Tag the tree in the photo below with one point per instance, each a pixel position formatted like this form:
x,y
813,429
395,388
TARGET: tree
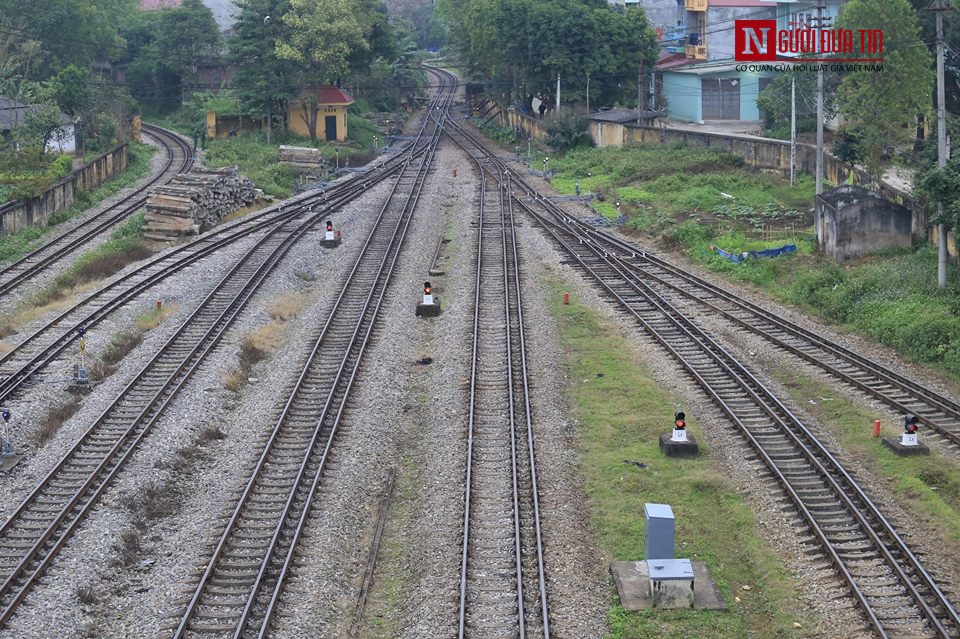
x,y
264,81
323,35
884,106
518,47
774,100
942,185
70,31
70,89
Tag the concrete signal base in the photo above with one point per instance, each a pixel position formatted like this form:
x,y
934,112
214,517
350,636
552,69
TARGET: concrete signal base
x,y
429,310
334,243
633,583
894,444
673,448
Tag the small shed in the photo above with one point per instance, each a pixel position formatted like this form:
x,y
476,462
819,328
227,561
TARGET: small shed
x,y
331,103
851,221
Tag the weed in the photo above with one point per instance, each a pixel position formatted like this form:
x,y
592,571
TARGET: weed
x,y
54,419
116,350
210,433
286,306
152,318
127,548
87,595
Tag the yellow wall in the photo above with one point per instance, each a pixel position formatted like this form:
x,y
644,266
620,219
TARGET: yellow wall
x,y
299,126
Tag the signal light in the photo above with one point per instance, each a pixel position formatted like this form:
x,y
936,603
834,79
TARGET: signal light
x,y
911,424
427,289
679,420
329,225
5,414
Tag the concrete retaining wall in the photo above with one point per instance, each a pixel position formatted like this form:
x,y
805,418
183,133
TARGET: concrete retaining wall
x,y
36,211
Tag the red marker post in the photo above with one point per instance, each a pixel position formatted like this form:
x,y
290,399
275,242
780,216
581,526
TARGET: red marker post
x,y
876,428
566,298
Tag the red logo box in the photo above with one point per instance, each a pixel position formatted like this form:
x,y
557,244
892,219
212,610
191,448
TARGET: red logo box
x,y
755,40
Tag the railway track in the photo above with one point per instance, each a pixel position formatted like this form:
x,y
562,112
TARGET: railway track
x,y
179,159
32,536
502,579
940,414
897,595
241,586
27,361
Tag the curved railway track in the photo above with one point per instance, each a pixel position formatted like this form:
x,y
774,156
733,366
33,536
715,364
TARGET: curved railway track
x,y
33,354
33,535
179,160
241,586
897,595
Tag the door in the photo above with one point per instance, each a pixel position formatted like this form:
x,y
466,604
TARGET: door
x,y
720,98
330,126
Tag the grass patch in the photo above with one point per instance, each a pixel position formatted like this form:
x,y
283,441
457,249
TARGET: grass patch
x,y
928,487
118,348
620,413
54,419
678,195
257,345
124,247
16,245
149,320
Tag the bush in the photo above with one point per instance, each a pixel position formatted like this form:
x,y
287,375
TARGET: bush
x,y
567,133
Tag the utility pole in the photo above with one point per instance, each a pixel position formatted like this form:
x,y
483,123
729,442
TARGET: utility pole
x,y
588,94
266,25
821,5
793,131
639,92
558,93
940,6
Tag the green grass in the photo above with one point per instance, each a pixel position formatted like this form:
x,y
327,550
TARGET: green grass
x,y
258,160
928,487
621,412
676,195
15,245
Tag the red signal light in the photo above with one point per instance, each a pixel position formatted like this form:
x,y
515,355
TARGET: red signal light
x,y
679,420
427,289
329,225
911,424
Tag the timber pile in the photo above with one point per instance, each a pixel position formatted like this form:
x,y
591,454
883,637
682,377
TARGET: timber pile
x,y
194,202
303,157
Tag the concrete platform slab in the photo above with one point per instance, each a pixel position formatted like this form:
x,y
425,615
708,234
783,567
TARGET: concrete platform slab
x,y
633,585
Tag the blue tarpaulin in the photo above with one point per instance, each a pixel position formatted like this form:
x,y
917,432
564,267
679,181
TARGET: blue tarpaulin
x,y
739,257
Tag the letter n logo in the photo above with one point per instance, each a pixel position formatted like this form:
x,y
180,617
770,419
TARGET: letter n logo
x,y
755,40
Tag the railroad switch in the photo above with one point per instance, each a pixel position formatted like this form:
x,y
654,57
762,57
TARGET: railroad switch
x,y
430,306
331,239
908,443
679,443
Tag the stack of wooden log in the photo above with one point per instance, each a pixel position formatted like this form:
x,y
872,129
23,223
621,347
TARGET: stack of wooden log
x,y
194,202
303,157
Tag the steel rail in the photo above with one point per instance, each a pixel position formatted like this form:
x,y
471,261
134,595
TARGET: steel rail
x,y
877,373
129,286
793,428
126,439
34,561
518,399
284,538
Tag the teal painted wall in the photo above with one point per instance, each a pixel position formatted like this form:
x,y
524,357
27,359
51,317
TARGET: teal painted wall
x,y
682,91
